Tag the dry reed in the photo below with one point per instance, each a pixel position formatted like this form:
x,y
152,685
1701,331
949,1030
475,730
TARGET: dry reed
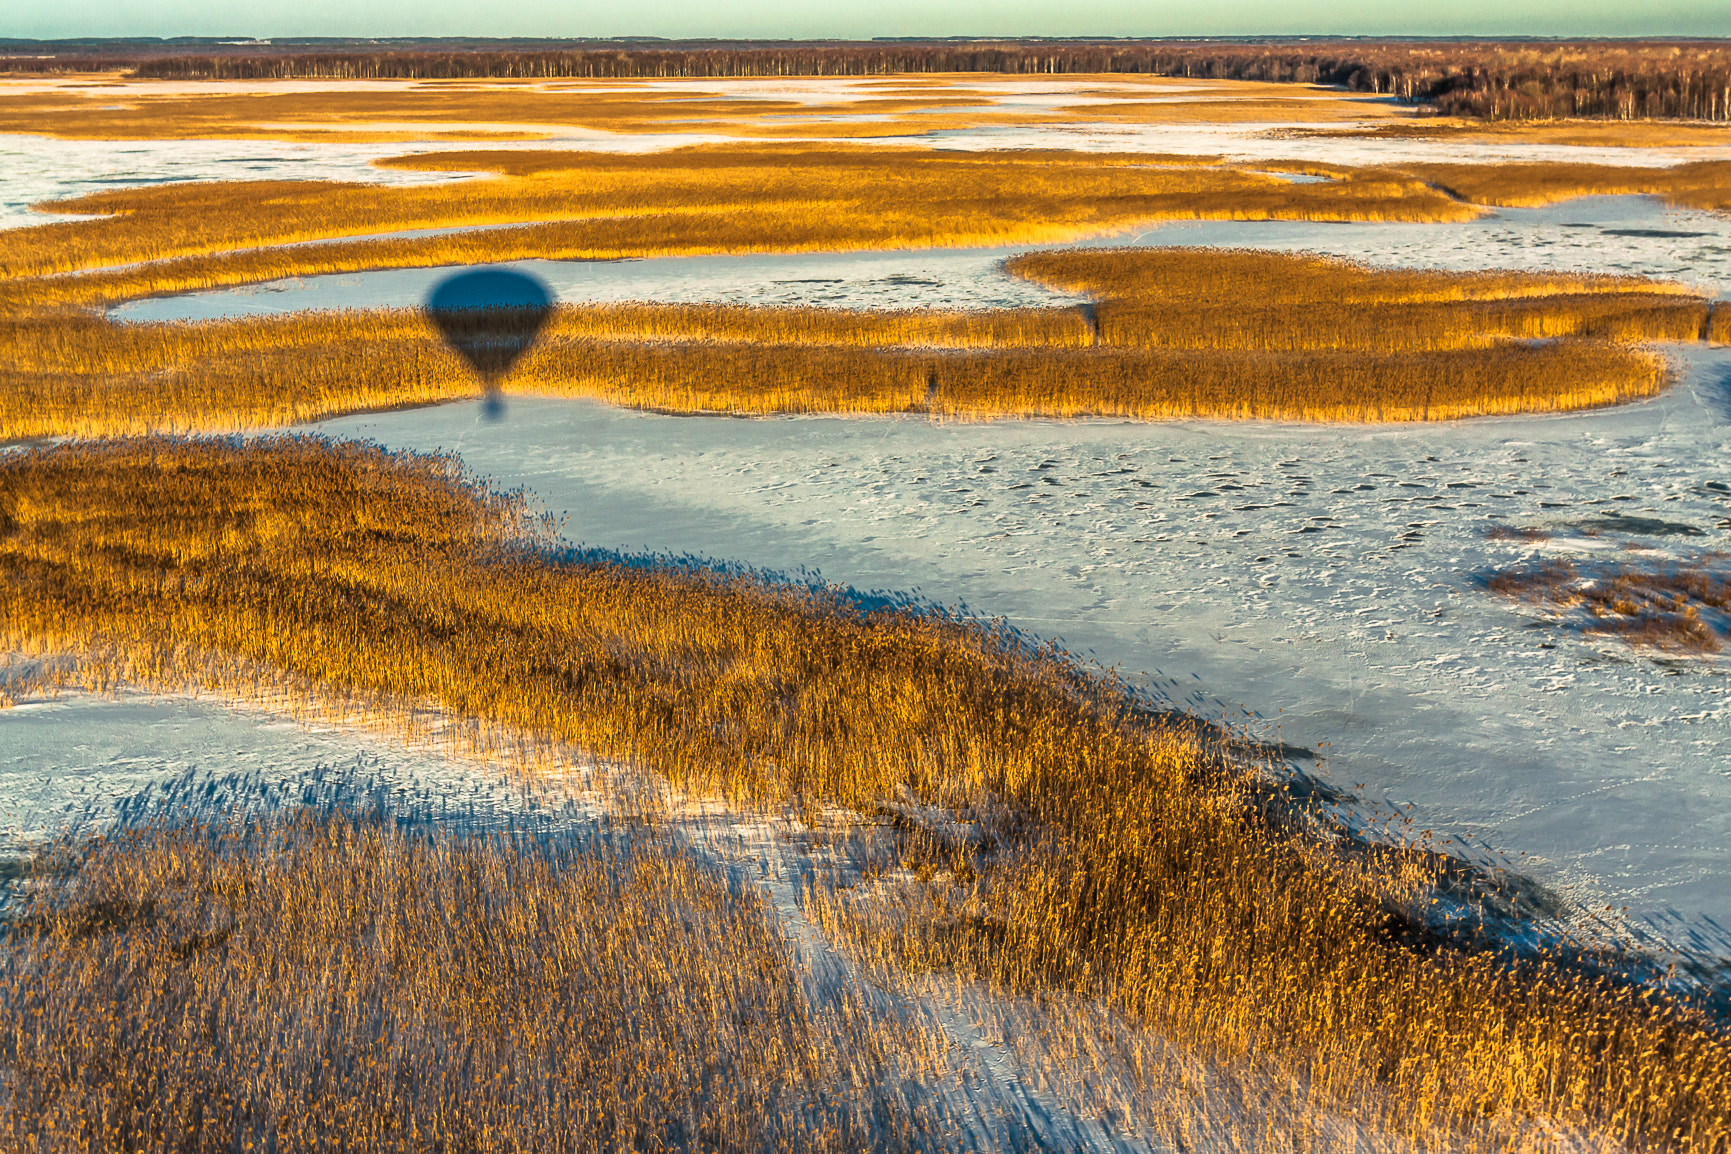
x,y
1702,184
1680,607
314,981
1142,864
1579,133
710,198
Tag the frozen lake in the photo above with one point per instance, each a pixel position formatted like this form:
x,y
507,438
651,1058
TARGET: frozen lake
x,y
40,169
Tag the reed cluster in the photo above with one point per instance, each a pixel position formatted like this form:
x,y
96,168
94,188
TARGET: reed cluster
x,y
1719,324
1253,300
1704,184
317,981
1171,333
1681,607
1135,861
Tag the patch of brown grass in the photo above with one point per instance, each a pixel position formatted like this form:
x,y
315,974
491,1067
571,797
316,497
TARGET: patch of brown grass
x,y
1670,606
1247,299
1719,324
1576,133
1144,867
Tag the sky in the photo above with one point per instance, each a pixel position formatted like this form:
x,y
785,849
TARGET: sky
x,y
852,19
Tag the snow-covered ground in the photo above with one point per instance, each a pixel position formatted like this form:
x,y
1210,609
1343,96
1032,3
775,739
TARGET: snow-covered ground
x,y
931,278
1326,580
36,169
85,761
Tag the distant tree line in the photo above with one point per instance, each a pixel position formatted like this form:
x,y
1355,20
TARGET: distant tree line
x,y
58,65
1621,80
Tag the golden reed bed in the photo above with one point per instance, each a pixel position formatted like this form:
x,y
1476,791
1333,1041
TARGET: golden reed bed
x,y
701,199
310,982
1172,333
734,198
1142,867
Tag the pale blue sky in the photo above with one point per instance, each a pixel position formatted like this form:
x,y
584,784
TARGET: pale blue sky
x,y
859,18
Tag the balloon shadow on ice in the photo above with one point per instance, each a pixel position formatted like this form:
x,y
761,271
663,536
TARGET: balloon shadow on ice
x,y
491,317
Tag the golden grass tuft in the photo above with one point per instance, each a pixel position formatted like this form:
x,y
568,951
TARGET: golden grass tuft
x,y
312,981
1678,607
1582,133
1143,865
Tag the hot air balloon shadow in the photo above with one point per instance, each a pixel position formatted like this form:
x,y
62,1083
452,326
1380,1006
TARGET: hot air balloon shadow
x,y
491,317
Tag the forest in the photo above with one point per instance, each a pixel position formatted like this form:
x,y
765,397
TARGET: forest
x,y
1527,80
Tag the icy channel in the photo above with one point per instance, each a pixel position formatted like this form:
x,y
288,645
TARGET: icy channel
x,y
39,169
1637,235
931,278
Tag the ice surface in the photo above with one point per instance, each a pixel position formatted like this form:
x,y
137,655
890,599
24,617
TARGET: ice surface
x,y
40,169
1633,235
932,278
86,761
1322,581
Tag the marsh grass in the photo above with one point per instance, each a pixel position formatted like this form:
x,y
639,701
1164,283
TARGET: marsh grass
x,y
314,980
698,199
1704,184
1583,133
1170,333
1134,856
1670,606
